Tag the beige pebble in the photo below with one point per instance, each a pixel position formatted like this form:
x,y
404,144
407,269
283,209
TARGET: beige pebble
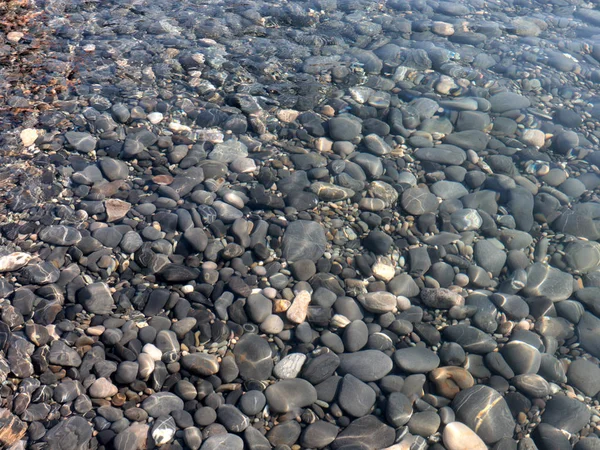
x,y
535,138
187,289
324,145
297,312
95,331
442,28
339,321
458,436
281,305
328,111
155,117
287,115
28,136
14,261
383,269
14,36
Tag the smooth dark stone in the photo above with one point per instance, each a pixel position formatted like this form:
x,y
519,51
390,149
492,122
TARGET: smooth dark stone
x,y
484,411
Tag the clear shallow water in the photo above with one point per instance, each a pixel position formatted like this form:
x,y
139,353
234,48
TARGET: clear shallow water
x,y
423,145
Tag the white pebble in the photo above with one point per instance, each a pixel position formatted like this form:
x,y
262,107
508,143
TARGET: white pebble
x,y
155,117
153,351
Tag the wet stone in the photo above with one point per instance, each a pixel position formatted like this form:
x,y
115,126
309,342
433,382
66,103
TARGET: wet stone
x,y
547,281
96,298
252,402
458,436
60,235
366,365
506,101
304,240
228,151
356,397
566,414
532,385
442,154
222,441
82,142
253,357
232,418
484,411
522,357
441,298
368,432
163,430
416,360
202,364
289,366
319,434
41,273
73,432
162,403
344,128
286,395
378,302
470,338
102,388
418,201
63,355
424,423
585,376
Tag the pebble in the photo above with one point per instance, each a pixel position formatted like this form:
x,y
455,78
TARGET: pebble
x,y
303,240
416,360
290,366
458,436
484,411
286,395
253,357
161,404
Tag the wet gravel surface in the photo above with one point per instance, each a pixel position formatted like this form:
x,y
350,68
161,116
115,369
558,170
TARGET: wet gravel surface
x,y
299,225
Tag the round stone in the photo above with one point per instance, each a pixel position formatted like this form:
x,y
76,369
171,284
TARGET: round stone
x,y
252,402
318,434
458,436
286,395
466,219
418,201
344,128
162,403
585,376
522,357
547,281
416,360
102,388
378,302
366,365
365,432
398,409
253,357
485,411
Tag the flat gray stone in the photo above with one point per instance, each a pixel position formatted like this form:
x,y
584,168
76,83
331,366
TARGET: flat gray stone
x,y
304,240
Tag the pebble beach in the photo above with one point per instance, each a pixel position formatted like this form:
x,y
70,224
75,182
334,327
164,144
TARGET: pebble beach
x,y
298,225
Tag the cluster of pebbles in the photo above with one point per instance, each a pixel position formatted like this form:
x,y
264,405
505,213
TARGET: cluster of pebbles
x,y
331,224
